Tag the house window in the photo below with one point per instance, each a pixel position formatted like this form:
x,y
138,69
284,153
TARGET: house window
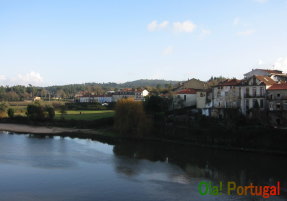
x,y
247,104
271,96
278,95
278,106
261,103
247,91
184,98
255,103
254,91
261,91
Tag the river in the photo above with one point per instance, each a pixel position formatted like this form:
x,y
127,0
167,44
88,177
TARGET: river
x,y
34,168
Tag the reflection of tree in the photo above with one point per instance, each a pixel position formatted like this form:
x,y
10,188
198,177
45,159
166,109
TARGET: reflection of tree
x,y
202,163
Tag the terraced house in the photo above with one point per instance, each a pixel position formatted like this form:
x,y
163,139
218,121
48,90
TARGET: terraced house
x,y
253,92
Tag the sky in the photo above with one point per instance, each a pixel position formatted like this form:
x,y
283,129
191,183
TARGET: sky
x,y
52,42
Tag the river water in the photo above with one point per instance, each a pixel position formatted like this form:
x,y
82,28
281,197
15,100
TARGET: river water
x,y
63,169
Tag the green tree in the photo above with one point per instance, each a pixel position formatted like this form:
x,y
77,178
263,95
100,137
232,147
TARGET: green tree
x,y
39,112
130,118
63,111
11,112
3,109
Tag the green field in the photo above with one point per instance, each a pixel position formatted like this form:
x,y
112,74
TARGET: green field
x,y
85,114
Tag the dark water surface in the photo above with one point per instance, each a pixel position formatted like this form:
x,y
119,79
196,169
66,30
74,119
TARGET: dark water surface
x,y
65,169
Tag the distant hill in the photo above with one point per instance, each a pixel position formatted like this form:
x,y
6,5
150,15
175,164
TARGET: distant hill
x,y
136,83
146,82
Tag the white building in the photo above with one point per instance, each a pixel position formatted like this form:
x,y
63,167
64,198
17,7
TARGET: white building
x,y
93,99
135,94
184,98
253,92
226,94
261,72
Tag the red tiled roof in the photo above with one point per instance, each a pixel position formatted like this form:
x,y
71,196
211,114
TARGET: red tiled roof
x,y
265,79
187,91
282,86
229,82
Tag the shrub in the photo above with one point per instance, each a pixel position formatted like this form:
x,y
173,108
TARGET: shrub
x,y
11,112
39,112
130,118
3,110
51,112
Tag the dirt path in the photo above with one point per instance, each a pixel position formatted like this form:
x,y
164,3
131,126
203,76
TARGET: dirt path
x,y
41,129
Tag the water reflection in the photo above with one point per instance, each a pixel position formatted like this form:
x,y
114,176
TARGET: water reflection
x,y
53,168
201,164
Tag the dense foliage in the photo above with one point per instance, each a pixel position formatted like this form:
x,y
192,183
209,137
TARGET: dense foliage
x,y
40,112
3,109
130,118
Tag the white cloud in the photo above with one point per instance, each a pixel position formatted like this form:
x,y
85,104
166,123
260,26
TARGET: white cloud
x,y
185,26
33,78
247,32
163,25
281,63
155,26
168,51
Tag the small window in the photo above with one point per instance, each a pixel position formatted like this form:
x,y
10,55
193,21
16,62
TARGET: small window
x,y
184,97
247,91
261,103
255,103
261,91
278,106
254,91
278,95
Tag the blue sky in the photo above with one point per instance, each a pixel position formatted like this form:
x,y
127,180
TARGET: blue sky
x,y
61,42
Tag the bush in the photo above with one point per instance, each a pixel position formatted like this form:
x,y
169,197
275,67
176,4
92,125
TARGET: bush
x,y
39,112
11,112
51,112
130,118
3,110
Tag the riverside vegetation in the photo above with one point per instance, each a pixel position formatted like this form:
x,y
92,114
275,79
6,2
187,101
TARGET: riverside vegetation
x,y
152,119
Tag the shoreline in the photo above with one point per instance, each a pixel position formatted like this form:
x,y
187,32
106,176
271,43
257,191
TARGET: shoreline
x,y
102,136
